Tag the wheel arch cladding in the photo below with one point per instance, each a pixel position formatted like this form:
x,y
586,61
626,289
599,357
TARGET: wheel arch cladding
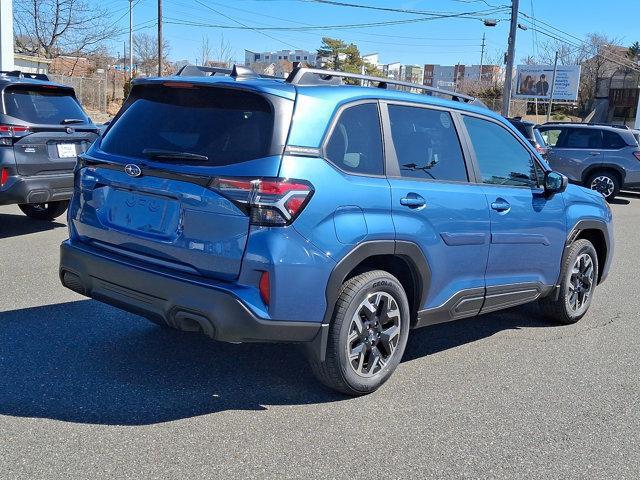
x,y
404,260
595,232
591,169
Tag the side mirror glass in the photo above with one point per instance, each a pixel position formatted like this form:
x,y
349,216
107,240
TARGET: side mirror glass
x,y
555,182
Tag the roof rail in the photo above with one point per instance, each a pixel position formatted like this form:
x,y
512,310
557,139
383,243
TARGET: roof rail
x,y
20,74
593,124
238,71
319,76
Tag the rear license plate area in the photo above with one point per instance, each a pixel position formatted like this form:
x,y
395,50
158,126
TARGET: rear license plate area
x,y
142,212
66,150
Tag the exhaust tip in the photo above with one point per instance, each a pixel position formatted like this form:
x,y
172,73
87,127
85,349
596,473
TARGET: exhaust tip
x,y
73,282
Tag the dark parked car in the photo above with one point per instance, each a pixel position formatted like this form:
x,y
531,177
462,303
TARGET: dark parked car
x,y
43,128
601,157
528,129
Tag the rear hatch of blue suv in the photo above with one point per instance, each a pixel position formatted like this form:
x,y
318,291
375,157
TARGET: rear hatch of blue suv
x,y
43,129
166,201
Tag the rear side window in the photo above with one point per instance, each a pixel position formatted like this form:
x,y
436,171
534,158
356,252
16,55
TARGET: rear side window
x,y
426,144
355,144
502,159
221,126
43,105
582,138
611,140
551,136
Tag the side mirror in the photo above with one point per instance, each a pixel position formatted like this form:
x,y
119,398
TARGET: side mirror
x,y
555,182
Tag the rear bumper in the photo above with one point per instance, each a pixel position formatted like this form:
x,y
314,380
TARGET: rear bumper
x,y
37,189
181,303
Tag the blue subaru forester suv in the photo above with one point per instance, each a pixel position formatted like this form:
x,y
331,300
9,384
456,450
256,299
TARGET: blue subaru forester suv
x,y
338,216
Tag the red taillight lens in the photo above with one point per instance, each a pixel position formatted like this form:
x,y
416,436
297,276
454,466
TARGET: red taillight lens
x,y
265,288
13,129
271,202
637,154
4,176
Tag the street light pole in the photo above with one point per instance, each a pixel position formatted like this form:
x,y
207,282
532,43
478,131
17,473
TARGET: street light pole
x,y
159,38
130,39
511,51
481,60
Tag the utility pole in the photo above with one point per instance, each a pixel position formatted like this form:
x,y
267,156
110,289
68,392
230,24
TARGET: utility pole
x,y
159,38
6,35
511,51
130,39
553,86
637,125
481,59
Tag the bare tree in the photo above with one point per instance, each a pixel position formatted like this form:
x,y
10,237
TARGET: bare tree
x,y
223,54
145,49
52,27
204,55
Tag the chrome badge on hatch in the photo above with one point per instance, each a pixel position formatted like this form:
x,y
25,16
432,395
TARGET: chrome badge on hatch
x,y
133,170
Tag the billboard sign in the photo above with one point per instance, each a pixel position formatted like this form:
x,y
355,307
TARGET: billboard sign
x,y
534,81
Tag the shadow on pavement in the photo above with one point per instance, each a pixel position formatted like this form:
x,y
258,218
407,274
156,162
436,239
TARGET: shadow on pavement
x,y
86,362
17,225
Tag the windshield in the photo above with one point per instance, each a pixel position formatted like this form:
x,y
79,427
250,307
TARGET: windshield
x,y
210,125
43,105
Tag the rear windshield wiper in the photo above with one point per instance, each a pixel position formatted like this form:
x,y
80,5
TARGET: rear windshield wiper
x,y
173,155
68,121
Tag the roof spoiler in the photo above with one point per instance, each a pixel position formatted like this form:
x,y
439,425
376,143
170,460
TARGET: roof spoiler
x,y
20,74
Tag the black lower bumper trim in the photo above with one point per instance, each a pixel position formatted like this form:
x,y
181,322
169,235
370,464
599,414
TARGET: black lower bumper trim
x,y
178,302
37,189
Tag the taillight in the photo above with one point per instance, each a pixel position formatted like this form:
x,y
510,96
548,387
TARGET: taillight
x,y
637,154
4,176
9,132
541,150
265,288
270,202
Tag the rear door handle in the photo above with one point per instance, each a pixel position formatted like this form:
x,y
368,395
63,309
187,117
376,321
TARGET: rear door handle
x,y
413,200
594,153
500,205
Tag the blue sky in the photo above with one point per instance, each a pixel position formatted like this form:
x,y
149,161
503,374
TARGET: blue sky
x,y
443,41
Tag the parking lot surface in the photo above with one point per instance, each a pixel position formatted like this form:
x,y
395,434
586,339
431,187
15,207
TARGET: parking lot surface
x,y
88,391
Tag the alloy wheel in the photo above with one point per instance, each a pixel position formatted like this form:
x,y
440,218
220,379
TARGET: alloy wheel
x,y
581,283
374,333
603,184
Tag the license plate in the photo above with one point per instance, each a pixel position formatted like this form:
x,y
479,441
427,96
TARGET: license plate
x,y
66,150
139,212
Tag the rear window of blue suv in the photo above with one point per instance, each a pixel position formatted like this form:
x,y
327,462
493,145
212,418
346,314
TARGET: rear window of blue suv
x,y
211,126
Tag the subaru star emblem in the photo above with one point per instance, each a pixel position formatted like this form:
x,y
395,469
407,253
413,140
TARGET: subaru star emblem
x,y
69,130
133,170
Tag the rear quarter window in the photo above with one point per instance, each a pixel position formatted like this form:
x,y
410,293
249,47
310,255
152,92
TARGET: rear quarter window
x,y
226,126
42,105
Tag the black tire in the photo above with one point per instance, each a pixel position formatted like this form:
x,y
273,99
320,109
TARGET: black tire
x,y
382,294
607,182
44,211
562,309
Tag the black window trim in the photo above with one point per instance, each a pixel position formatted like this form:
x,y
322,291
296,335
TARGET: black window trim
x,y
391,158
332,126
527,146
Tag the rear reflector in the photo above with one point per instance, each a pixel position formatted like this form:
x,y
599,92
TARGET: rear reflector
x,y
4,176
265,288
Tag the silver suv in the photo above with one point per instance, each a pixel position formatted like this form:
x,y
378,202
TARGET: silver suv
x,y
601,157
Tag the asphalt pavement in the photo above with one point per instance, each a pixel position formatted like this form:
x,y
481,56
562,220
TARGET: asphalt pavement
x,y
88,391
